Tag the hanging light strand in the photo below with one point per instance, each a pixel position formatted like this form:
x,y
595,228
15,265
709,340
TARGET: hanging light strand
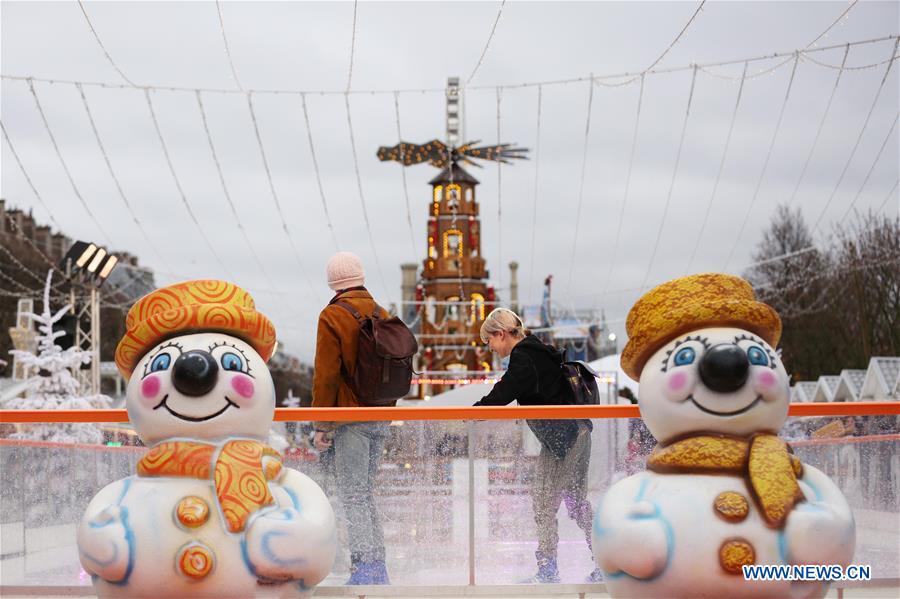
x,y
271,182
103,48
871,168
117,183
809,156
362,199
715,188
65,167
487,44
181,194
28,178
412,235
234,74
862,131
634,138
312,152
662,222
584,155
765,166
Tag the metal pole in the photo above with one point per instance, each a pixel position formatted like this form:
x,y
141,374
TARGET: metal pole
x,y
470,428
95,343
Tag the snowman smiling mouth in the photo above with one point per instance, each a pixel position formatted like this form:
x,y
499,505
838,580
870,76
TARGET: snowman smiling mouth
x,y
163,404
734,413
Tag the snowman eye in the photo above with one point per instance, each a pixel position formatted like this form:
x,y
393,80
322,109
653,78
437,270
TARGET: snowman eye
x,y
232,361
685,356
757,356
160,362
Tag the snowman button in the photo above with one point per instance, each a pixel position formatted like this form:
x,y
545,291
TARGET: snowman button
x,y
195,560
735,554
732,506
192,512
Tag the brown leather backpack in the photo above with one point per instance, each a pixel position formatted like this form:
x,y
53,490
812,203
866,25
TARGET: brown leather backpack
x,y
383,359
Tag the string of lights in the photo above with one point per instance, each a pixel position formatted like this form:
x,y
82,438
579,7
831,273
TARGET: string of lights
x,y
34,246
177,182
598,79
234,74
662,222
888,196
31,273
116,181
671,45
102,47
537,171
841,17
28,180
65,167
809,156
352,46
871,168
271,182
712,195
362,199
412,235
765,166
312,152
227,194
487,44
15,282
621,219
584,155
862,131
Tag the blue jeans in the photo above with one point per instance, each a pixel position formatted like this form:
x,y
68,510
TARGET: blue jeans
x,y
357,451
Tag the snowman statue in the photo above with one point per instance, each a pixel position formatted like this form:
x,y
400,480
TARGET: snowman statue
x,y
721,490
211,511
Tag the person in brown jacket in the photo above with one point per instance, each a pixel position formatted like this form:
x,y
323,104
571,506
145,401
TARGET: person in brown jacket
x,y
357,445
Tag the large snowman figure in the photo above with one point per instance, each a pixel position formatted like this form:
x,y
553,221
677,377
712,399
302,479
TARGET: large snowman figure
x,y
211,511
721,490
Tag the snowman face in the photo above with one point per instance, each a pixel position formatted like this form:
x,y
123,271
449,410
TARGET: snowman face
x,y
717,380
201,386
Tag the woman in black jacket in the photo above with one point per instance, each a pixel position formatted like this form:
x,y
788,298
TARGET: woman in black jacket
x,y
534,377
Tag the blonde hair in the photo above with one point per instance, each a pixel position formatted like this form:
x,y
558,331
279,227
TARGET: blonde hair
x,y
503,319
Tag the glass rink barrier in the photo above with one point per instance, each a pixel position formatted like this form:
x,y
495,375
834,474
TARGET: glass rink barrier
x,y
456,496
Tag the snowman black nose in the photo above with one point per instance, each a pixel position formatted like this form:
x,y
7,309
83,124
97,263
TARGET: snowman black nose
x,y
724,368
195,373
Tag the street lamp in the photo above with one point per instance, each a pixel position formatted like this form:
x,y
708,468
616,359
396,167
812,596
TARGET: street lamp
x,y
88,262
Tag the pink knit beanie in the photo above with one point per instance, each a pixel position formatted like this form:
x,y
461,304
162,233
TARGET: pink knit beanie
x,y
345,270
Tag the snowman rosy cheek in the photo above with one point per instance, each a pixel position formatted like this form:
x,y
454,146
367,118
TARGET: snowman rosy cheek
x,y
243,386
677,384
766,380
150,387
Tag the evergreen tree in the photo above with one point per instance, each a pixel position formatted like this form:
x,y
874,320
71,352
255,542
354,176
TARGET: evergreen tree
x,y
53,386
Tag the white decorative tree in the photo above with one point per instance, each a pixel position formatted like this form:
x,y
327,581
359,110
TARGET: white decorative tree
x,y
52,385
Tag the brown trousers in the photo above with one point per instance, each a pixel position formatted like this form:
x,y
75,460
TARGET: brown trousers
x,y
556,479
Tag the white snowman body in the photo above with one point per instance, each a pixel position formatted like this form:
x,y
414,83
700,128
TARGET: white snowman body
x,y
152,536
659,534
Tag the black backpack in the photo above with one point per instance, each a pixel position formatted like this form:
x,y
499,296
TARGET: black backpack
x,y
582,381
384,356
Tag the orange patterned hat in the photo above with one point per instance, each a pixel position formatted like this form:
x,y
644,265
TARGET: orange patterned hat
x,y
192,306
680,306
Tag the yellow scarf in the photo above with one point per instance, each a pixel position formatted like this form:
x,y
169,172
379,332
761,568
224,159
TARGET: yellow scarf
x,y
763,459
240,478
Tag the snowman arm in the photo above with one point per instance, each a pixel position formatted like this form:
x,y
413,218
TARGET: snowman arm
x,y
297,539
820,530
105,538
631,536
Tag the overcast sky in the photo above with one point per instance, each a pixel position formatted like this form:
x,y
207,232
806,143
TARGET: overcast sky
x,y
417,45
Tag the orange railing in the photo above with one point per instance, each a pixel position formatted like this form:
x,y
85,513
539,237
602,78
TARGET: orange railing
x,y
859,408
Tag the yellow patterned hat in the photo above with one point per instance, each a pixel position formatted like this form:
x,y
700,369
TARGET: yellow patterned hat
x,y
192,306
680,306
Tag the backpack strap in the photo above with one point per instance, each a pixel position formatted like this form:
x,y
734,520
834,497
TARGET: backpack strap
x,y
353,311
